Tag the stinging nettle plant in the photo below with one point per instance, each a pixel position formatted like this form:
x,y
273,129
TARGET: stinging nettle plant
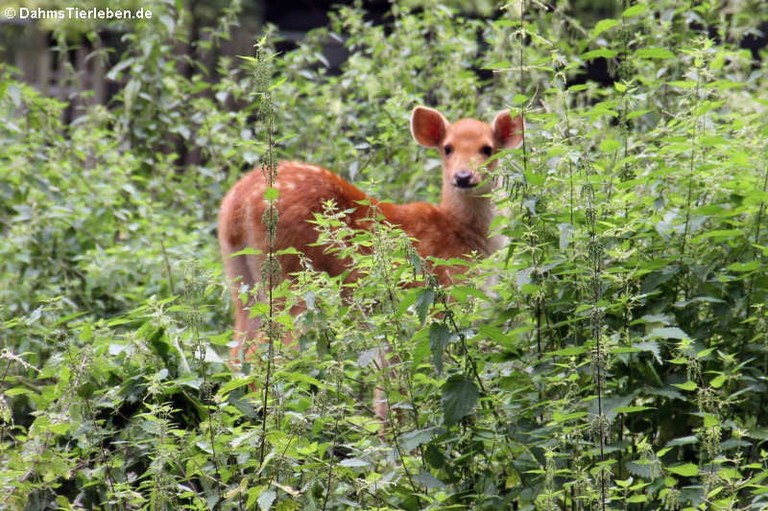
x,y
616,361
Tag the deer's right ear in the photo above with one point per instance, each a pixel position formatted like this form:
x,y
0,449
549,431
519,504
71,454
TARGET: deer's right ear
x,y
428,126
508,130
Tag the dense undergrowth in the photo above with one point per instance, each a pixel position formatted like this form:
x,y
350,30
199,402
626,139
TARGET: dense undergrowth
x,y
612,356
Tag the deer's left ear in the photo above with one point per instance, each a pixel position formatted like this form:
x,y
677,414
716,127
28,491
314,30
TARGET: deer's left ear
x,y
509,131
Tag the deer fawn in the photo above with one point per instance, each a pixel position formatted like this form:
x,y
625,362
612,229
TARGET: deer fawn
x,y
456,227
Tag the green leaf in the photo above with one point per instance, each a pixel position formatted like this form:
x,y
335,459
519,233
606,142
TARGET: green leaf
x,y
427,480
717,381
460,396
649,346
570,351
683,84
684,440
689,385
413,439
604,25
439,337
635,10
558,417
495,334
499,64
235,384
654,53
632,409
266,499
685,470
354,463
667,333
744,267
721,234
423,302
271,193
602,52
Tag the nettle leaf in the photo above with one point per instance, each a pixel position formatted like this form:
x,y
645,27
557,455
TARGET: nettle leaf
x,y
460,396
641,469
266,499
635,10
649,346
668,333
439,337
689,385
566,233
354,463
413,439
423,302
685,470
428,480
604,25
720,234
599,53
744,267
654,53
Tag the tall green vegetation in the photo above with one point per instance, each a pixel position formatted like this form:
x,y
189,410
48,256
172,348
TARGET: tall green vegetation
x,y
612,356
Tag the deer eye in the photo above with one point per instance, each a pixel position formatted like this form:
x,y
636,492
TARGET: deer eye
x,y
486,151
448,149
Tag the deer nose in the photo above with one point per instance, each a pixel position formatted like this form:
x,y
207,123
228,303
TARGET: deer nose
x,y
463,179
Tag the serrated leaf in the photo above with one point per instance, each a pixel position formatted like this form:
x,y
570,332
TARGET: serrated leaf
x,y
644,469
599,53
297,377
423,302
558,417
422,348
635,10
717,381
439,338
649,346
570,351
566,233
632,409
685,470
365,357
460,396
413,439
235,384
683,84
499,64
495,334
266,499
604,25
744,267
721,234
428,480
683,440
689,385
354,463
654,53
667,333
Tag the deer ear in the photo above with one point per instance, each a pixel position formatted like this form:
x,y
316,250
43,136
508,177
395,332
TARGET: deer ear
x,y
508,131
428,126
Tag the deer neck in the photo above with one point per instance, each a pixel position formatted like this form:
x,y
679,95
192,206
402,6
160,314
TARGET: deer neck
x,y
472,211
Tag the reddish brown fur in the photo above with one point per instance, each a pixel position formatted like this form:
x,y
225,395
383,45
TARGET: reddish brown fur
x,y
456,227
